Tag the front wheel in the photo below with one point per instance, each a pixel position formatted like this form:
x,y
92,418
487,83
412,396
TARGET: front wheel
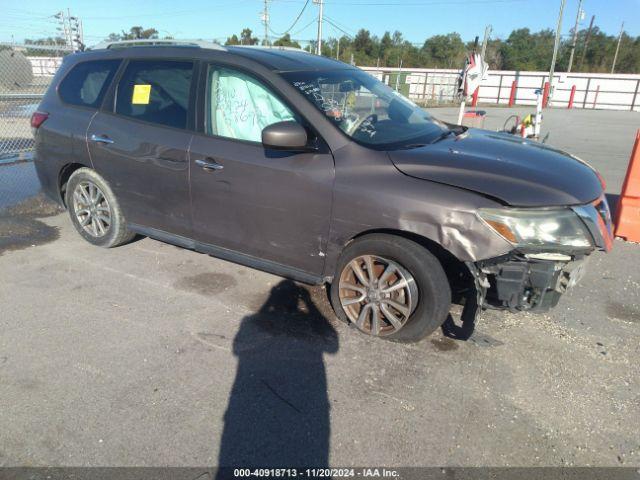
x,y
390,287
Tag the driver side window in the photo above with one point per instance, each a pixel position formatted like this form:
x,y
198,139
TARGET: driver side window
x,y
240,107
156,92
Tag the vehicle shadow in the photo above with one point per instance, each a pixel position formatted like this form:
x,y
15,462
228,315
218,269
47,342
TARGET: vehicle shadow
x,y
278,410
458,331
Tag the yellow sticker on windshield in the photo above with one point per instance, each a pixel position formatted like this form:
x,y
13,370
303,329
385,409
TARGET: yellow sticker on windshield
x,y
141,94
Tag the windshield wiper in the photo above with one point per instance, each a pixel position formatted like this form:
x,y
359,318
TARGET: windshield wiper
x,y
414,145
442,136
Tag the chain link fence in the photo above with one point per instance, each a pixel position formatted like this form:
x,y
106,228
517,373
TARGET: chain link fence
x,y
25,74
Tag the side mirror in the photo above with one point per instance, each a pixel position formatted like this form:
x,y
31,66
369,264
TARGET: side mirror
x,y
285,136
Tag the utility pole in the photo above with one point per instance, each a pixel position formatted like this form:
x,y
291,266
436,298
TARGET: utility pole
x,y
320,3
556,45
338,50
487,33
265,22
586,41
615,57
575,36
75,30
63,28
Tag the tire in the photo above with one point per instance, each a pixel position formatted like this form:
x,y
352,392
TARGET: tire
x,y
425,300
89,196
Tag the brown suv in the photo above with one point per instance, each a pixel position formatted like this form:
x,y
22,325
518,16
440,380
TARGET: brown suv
x,y
312,169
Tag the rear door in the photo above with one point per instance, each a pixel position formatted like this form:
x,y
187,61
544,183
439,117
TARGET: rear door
x,y
141,146
70,104
271,205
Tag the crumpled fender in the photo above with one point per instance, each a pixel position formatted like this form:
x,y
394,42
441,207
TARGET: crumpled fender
x,y
381,198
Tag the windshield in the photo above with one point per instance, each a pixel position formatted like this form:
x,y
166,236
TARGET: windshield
x,y
366,109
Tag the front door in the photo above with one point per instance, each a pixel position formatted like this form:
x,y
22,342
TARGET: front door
x,y
141,148
273,205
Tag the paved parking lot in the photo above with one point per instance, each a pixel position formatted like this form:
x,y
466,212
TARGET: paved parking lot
x,y
153,355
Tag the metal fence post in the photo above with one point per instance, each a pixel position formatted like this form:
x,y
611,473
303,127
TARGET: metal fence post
x,y
424,88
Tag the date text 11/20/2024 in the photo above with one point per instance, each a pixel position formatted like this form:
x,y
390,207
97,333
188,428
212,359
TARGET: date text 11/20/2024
x,y
315,472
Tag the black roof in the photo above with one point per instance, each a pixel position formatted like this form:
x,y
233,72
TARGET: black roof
x,y
287,60
273,58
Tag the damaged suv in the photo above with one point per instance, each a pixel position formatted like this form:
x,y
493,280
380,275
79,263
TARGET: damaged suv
x,y
311,169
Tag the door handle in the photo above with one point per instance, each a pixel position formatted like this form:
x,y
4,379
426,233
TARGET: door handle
x,y
209,165
101,139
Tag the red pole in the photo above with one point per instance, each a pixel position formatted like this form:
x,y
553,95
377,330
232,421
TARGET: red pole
x,y
512,95
474,100
573,94
545,95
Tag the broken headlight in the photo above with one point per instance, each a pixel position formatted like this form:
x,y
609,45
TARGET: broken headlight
x,y
560,228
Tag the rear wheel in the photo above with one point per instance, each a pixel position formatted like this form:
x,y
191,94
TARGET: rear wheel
x,y
390,287
94,210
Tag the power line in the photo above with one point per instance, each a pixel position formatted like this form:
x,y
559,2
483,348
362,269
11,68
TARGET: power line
x,y
342,25
294,22
313,20
331,22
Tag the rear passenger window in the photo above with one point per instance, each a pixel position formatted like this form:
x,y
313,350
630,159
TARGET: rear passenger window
x,y
156,92
87,82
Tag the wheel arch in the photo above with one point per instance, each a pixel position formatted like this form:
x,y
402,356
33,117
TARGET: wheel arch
x,y
63,178
456,270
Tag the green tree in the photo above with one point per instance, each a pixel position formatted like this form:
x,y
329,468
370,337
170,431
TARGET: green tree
x,y
246,37
363,45
134,33
526,51
232,40
285,41
444,51
629,55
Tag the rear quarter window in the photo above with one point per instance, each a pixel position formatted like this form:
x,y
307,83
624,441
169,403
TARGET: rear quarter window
x,y
86,84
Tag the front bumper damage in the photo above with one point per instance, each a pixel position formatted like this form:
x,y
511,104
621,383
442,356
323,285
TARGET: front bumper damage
x,y
535,280
528,282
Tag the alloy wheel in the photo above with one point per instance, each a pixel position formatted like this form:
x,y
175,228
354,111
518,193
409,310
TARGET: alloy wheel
x,y
91,209
378,295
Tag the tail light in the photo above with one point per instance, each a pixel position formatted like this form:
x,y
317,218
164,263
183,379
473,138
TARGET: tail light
x,y
38,119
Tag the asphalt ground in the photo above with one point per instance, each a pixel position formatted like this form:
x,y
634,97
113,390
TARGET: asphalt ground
x,y
153,355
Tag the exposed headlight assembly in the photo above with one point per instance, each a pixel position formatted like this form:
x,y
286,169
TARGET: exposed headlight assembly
x,y
559,228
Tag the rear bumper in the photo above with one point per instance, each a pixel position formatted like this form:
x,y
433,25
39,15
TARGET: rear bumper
x,y
48,175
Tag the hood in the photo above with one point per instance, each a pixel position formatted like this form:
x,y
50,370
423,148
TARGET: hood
x,y
516,171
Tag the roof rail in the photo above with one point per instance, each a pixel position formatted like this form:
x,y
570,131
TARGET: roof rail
x,y
273,47
155,42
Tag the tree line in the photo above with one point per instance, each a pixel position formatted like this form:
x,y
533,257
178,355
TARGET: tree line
x,y
521,50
